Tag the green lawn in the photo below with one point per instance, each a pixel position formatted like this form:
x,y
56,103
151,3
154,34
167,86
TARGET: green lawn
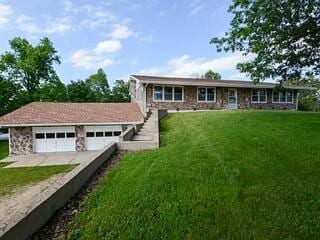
x,y
13,178
4,149
218,175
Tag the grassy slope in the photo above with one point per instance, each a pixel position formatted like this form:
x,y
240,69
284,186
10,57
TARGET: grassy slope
x,y
4,149
248,175
12,178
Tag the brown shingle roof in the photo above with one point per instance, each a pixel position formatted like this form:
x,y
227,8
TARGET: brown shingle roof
x,y
51,113
187,81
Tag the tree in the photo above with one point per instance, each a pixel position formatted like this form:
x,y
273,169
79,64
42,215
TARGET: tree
x,y
212,75
10,99
120,91
98,83
79,91
309,100
28,65
283,37
53,91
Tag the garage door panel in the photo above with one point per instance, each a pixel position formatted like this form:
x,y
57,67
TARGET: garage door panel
x,y
54,139
97,137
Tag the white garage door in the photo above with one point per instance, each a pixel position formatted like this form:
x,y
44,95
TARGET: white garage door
x,y
97,137
54,139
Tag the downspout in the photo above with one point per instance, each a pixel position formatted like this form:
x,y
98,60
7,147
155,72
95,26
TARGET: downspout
x,y
9,139
297,101
145,100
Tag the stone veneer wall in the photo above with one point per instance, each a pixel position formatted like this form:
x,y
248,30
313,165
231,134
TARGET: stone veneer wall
x,y
190,100
21,141
80,139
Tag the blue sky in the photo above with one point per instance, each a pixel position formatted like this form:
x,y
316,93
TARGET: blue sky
x,y
156,37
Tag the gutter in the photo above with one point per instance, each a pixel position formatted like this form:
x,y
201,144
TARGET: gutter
x,y
65,124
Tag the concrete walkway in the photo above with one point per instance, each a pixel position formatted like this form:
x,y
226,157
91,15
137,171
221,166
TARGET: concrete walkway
x,y
50,159
147,132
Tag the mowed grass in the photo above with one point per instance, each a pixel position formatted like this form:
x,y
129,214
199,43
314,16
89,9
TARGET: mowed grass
x,y
15,178
218,175
4,149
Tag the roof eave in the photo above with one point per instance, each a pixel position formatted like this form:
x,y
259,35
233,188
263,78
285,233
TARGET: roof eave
x,y
66,124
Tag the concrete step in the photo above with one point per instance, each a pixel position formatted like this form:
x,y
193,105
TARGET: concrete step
x,y
142,138
147,127
148,131
144,134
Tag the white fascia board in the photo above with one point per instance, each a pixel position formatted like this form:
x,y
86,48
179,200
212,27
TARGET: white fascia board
x,y
68,124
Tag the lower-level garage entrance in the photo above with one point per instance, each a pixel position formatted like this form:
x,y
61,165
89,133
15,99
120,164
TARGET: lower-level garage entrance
x,y
97,137
54,139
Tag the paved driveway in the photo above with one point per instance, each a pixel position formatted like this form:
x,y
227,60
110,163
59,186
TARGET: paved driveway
x,y
50,159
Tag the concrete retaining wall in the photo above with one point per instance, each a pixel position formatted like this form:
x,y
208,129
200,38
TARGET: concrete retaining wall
x,y
145,145
56,196
127,134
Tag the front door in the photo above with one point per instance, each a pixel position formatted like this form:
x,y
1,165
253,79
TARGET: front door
x,y
232,98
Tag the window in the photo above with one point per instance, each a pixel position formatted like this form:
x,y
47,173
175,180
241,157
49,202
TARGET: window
x,y
158,91
50,135
117,133
206,94
289,96
275,97
178,93
108,134
99,134
259,95
283,96
39,135
61,135
168,93
90,134
70,134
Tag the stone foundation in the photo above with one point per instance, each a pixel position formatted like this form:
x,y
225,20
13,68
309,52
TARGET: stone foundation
x,y
80,139
190,100
21,141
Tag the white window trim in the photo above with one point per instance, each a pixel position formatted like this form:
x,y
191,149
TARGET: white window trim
x,y
173,89
258,89
204,101
286,97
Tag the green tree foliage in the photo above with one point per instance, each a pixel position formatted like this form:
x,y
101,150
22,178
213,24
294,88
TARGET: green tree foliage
x,y
120,91
99,86
28,65
10,98
309,100
282,35
212,75
53,91
79,91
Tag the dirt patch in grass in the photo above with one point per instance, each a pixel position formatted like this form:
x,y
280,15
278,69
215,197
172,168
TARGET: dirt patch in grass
x,y
57,228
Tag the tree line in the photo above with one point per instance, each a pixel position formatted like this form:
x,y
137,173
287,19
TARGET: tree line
x,y
27,74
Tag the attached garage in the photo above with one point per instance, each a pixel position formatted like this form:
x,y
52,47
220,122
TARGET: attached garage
x,y
97,137
43,127
54,139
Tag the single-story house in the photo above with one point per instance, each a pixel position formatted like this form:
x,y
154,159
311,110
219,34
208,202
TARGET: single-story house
x,y
58,127
176,93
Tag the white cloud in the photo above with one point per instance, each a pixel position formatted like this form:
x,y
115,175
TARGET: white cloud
x,y
146,38
108,46
97,57
187,66
99,18
28,24
5,13
91,15
121,32
89,59
196,10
